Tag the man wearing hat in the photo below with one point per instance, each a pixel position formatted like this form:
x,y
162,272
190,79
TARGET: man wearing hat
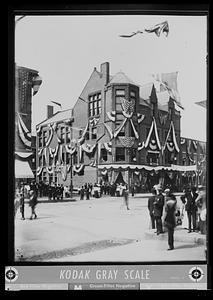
x,y
158,210
169,217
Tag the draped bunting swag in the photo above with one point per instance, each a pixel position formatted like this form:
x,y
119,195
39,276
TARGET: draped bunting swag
x,y
153,126
82,138
70,149
24,134
140,118
109,131
78,168
108,146
111,115
171,146
88,148
39,170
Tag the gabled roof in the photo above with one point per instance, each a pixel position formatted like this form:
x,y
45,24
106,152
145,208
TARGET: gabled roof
x,y
121,77
58,117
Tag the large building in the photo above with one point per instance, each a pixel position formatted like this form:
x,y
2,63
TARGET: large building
x,y
119,131
27,82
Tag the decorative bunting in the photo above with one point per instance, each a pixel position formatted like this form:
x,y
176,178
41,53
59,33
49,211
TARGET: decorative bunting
x,y
23,156
38,129
117,130
93,163
24,134
108,146
40,151
49,169
134,130
94,121
170,144
82,138
153,126
195,144
128,107
182,141
70,149
78,168
140,118
104,173
37,81
111,115
140,146
39,170
88,148
53,151
127,141
109,131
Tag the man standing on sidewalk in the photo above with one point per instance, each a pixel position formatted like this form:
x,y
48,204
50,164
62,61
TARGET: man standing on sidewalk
x,y
169,217
158,210
151,201
191,208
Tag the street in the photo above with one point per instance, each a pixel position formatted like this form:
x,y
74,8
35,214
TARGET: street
x,y
96,230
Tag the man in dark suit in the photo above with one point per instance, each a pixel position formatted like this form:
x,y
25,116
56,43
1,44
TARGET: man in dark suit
x,y
158,210
151,201
190,207
169,217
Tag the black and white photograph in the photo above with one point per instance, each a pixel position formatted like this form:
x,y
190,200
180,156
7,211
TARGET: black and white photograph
x,y
110,138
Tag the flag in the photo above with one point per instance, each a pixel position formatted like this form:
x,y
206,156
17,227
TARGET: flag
x,y
57,103
159,28
37,81
202,103
130,35
168,82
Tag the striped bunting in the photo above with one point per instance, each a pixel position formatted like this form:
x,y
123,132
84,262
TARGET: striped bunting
x,y
37,81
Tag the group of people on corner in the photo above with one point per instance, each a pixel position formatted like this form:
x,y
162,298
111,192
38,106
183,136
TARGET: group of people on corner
x,y
20,200
166,214
193,210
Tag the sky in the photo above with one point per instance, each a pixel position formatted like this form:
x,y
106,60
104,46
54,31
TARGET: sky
x,y
65,50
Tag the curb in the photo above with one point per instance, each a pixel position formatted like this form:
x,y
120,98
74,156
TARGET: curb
x,y
179,237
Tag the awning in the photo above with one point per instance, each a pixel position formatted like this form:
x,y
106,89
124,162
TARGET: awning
x,y
148,168
22,169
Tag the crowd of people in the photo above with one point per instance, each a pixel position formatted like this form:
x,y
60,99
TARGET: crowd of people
x,y
166,213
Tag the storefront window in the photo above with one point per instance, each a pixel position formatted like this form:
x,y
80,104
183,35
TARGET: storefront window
x,y
120,154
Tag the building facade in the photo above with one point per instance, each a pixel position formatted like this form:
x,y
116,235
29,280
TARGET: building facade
x,y
27,82
118,131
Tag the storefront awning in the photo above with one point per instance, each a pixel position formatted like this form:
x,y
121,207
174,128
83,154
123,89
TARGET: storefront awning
x,y
148,168
22,169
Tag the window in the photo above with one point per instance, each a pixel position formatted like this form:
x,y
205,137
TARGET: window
x,y
118,122
50,160
67,158
133,155
104,154
119,96
95,105
62,134
94,133
40,161
75,159
152,158
120,154
68,135
45,134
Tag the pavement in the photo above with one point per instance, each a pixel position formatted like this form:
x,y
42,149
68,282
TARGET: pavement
x,y
99,229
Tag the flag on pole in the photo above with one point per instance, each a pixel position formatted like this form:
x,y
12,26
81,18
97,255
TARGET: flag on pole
x,y
168,82
157,29
37,81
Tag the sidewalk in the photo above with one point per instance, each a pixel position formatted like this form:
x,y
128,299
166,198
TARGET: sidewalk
x,y
76,198
180,235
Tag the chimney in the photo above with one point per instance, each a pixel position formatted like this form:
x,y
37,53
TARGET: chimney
x,y
49,111
105,71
